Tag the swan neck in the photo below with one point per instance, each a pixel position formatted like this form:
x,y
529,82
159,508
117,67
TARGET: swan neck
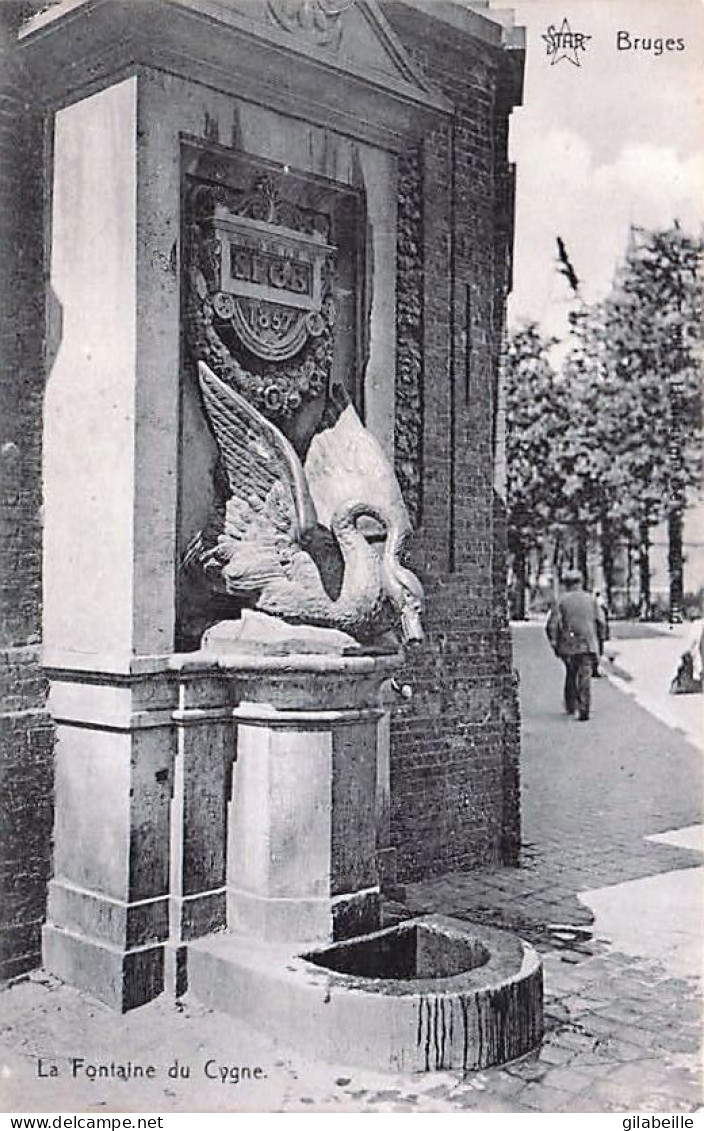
x,y
361,563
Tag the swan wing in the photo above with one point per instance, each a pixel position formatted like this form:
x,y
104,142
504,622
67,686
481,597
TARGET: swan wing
x,y
257,456
269,509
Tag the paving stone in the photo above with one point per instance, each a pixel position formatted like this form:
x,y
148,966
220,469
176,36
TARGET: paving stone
x,y
676,1042
555,1054
528,1070
466,1098
573,1039
596,1025
506,1083
570,1079
580,1005
558,1013
589,1102
611,1050
620,1015
543,1097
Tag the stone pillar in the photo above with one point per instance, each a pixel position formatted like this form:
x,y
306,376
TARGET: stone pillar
x,y
302,845
202,773
110,472
108,912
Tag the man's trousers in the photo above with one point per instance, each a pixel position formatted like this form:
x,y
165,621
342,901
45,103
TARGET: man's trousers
x,y
578,675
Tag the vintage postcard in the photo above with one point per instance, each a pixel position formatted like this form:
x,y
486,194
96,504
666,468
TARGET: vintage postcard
x,y
352,559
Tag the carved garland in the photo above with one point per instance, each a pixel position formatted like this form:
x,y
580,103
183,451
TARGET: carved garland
x,y
409,333
319,20
241,247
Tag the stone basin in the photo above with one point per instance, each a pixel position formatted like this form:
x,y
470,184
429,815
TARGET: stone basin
x,y
413,950
431,993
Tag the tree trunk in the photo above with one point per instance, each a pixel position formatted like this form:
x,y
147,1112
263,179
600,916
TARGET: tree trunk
x,y
607,558
674,561
540,559
677,499
644,570
556,566
583,553
519,580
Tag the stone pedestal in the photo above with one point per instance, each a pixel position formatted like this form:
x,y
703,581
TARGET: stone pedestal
x,y
204,750
142,780
202,791
108,907
302,844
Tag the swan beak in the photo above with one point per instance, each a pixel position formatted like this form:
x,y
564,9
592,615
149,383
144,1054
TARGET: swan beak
x,y
411,627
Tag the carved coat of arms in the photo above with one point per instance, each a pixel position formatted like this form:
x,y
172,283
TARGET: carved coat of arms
x,y
261,302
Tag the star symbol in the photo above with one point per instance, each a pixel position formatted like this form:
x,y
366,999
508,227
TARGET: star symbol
x,y
565,43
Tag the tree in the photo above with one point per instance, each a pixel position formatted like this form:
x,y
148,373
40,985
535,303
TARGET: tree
x,y
583,452
652,350
580,455
611,445
535,418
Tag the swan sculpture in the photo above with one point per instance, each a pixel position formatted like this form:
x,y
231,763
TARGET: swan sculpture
x,y
267,550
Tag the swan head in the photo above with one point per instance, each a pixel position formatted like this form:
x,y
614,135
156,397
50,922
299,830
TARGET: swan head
x,y
405,592
402,588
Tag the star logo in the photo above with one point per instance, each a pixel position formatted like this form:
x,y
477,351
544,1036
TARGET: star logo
x,y
563,43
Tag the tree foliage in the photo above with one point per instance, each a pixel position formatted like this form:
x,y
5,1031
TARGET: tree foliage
x,y
612,443
535,418
653,355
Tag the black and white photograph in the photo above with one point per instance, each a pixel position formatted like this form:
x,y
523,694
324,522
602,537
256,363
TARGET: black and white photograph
x,y
351,560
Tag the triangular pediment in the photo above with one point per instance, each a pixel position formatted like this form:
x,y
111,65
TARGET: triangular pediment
x,y
352,35
335,63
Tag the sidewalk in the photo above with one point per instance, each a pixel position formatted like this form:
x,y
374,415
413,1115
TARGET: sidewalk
x,y
645,666
622,990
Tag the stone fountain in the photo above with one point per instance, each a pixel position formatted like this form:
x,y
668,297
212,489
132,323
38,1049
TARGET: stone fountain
x,y
217,808
305,954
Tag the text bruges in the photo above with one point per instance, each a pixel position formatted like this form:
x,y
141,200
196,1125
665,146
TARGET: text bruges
x,y
627,42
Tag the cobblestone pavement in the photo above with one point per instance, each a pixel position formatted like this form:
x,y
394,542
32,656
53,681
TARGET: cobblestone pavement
x,y
623,1032
623,1017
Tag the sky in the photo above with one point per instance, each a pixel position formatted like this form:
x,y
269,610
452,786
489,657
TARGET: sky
x,y
618,140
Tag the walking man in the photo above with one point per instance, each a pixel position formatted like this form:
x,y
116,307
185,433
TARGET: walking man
x,y
575,626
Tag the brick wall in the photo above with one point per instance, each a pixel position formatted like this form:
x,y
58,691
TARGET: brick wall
x,y
455,746
26,733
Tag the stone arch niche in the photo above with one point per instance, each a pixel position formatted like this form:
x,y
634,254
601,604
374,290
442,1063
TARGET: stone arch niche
x,y
139,856
276,299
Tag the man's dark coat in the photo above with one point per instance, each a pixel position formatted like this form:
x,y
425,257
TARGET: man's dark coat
x,y
576,624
